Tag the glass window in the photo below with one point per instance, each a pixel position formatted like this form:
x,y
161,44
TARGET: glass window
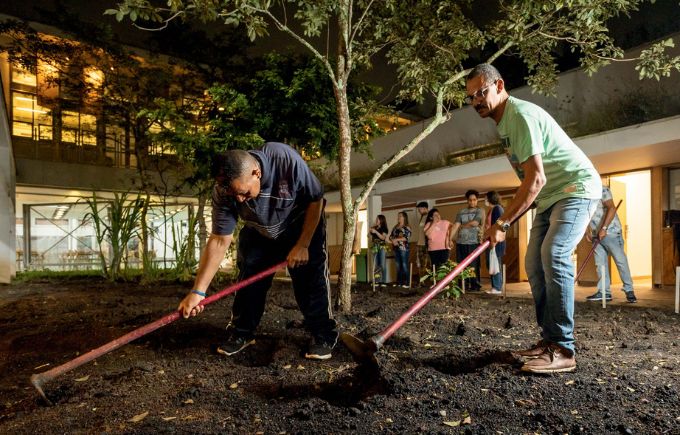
x,y
30,119
78,128
24,77
88,127
22,129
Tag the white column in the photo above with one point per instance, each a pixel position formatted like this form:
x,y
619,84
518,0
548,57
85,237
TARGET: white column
x,y
7,200
677,290
374,208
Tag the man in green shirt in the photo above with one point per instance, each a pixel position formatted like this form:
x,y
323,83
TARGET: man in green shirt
x,y
557,176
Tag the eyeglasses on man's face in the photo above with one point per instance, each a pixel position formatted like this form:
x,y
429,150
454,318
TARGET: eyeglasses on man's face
x,y
480,93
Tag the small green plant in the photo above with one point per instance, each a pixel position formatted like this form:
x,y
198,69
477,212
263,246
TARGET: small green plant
x,y
116,223
454,289
184,247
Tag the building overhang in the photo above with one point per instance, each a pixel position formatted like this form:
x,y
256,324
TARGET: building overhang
x,y
640,146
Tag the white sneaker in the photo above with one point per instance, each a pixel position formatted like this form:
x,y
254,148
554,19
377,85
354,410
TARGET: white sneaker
x,y
494,291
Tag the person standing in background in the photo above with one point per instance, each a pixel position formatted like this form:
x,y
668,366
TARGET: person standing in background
x,y
422,257
606,226
401,233
438,232
493,200
467,231
379,233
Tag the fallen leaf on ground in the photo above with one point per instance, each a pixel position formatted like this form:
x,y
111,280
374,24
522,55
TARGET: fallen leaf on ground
x,y
524,402
287,366
300,367
574,411
234,386
139,417
188,401
570,382
467,420
168,418
83,379
452,423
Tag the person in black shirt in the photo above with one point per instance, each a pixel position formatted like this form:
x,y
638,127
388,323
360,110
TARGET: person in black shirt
x,y
379,234
281,204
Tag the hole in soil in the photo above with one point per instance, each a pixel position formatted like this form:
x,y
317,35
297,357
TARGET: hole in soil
x,y
345,392
56,395
458,364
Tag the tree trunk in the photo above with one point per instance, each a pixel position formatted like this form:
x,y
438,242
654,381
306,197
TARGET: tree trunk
x,y
349,211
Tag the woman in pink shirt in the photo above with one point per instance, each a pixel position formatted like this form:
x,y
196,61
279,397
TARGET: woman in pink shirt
x,y
437,231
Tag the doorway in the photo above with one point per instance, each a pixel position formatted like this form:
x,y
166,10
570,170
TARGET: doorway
x,y
635,213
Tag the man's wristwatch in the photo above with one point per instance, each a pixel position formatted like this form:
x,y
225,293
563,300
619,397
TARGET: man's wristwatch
x,y
504,225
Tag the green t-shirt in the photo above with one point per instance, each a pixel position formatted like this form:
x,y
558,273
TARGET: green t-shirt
x,y
527,130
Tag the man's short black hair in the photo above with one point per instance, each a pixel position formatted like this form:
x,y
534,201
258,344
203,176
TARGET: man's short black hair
x,y
422,204
231,165
488,72
470,193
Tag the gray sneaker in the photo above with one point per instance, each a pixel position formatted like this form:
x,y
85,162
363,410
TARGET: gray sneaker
x,y
630,297
598,297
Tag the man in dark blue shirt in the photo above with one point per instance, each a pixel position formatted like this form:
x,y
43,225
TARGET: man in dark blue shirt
x,y
281,204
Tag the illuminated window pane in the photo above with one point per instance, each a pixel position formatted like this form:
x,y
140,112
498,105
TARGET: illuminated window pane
x,y
44,132
88,137
69,135
43,115
23,107
69,119
22,129
23,77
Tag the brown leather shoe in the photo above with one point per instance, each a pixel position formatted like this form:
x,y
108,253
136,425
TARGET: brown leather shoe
x,y
555,359
533,352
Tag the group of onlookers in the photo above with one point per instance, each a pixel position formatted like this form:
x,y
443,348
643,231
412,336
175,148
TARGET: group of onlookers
x,y
399,239
435,239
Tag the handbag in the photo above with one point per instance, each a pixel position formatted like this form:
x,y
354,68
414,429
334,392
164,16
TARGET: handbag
x,y
494,266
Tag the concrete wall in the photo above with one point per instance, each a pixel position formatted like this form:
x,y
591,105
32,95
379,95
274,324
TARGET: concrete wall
x,y
7,200
90,177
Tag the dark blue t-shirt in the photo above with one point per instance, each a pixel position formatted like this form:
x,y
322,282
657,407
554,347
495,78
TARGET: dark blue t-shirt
x,y
287,187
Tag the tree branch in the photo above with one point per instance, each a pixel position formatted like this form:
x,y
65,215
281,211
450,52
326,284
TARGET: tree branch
x,y
491,59
438,119
281,26
358,25
575,41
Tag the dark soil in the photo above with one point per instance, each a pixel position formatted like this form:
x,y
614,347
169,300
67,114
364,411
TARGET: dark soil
x,y
447,371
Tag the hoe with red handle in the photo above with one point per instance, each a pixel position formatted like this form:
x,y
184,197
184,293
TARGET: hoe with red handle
x,y
38,380
363,352
596,241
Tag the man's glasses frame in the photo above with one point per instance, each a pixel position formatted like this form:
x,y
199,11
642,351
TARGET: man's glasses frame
x,y
479,93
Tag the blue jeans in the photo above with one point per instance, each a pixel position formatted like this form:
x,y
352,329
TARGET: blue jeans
x,y
554,236
612,245
401,258
379,265
497,279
